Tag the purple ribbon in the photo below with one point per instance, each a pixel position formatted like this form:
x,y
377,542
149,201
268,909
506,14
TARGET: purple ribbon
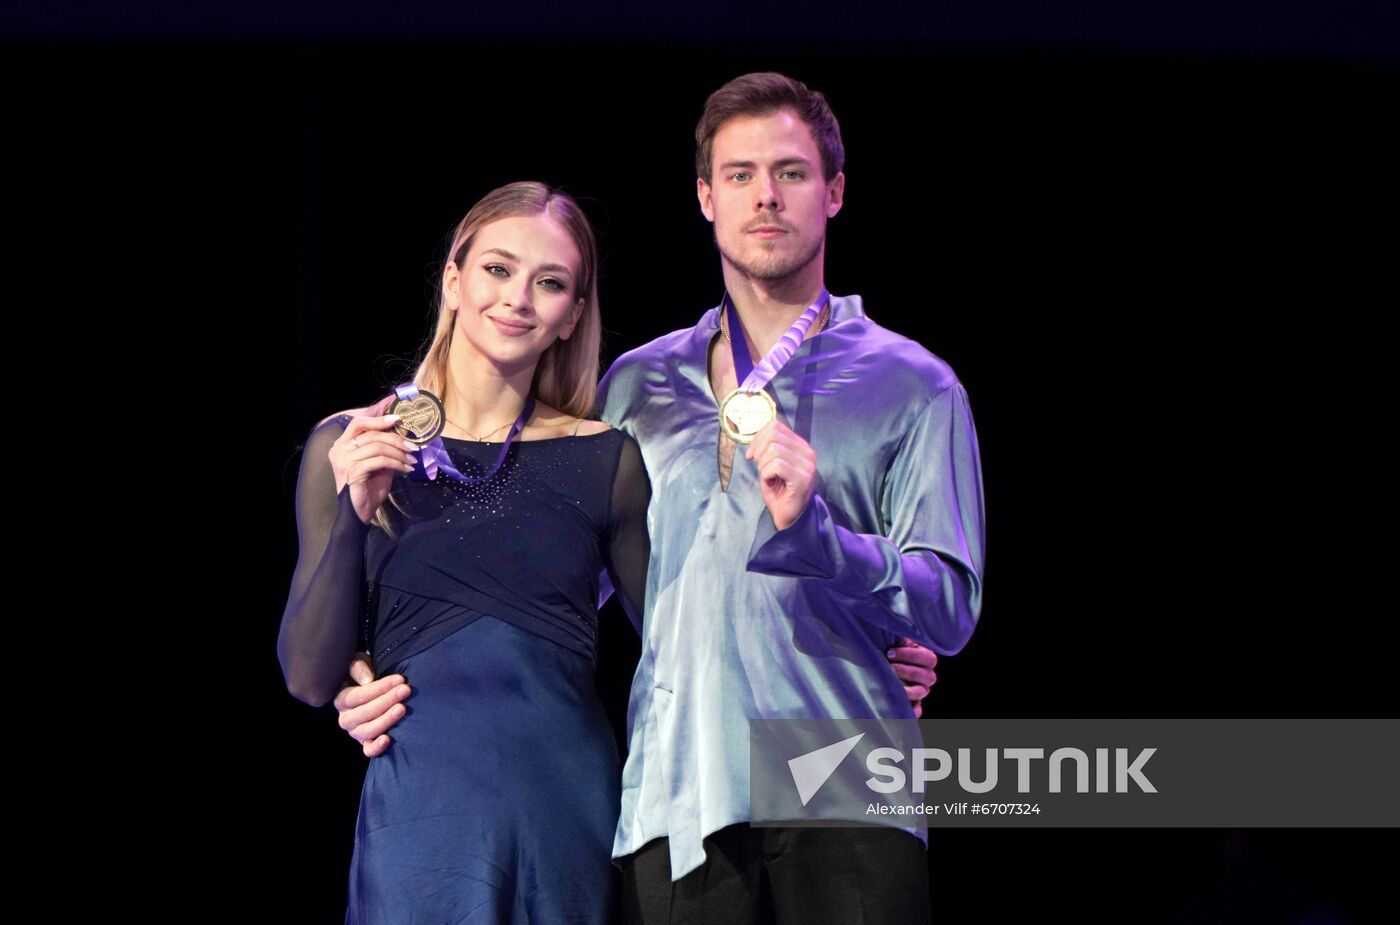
x,y
753,378
433,458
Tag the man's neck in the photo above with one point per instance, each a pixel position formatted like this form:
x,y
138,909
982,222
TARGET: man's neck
x,y
768,308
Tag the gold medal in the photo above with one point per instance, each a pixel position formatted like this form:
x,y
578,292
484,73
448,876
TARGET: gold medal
x,y
743,414
420,418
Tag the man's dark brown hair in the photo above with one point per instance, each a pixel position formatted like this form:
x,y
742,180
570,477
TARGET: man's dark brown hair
x,y
761,94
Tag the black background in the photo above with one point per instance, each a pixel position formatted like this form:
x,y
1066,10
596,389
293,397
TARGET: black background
x,y
1160,261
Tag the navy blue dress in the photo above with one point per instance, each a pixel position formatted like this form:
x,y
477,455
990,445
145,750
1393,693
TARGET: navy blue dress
x,y
498,799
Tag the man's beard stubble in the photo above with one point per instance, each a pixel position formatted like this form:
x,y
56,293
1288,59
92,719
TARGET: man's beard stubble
x,y
771,271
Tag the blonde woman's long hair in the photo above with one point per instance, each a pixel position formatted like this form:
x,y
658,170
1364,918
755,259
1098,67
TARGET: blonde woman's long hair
x,y
567,375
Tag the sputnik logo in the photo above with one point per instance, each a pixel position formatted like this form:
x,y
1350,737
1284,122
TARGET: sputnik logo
x,y
815,768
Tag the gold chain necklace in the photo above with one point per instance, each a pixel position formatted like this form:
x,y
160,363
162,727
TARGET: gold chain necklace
x,y
816,328
482,438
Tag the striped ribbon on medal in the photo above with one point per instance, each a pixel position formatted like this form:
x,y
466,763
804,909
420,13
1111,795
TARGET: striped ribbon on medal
x,y
753,378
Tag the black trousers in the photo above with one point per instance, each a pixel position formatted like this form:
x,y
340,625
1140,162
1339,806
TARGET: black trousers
x,y
800,876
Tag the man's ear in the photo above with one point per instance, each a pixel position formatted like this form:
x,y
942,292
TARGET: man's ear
x,y
835,194
707,202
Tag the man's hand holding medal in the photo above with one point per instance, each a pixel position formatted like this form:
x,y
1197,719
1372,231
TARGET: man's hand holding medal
x,y
787,471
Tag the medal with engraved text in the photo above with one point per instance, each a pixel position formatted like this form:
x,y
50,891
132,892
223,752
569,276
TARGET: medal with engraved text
x,y
421,418
743,414
746,410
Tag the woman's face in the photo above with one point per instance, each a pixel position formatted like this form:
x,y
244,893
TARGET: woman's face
x,y
515,292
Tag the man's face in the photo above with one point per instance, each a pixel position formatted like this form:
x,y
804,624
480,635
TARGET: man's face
x,y
766,195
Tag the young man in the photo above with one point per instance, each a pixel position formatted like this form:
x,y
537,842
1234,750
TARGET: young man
x,y
782,575
779,579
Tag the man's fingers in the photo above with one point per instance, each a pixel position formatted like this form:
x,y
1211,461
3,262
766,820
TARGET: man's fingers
x,y
760,440
773,443
375,726
352,719
774,430
779,469
356,696
361,672
377,747
913,665
349,692
359,719
352,698
914,674
788,441
911,653
916,692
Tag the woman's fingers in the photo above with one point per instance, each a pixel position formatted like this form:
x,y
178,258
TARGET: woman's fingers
x,y
369,443
368,446
374,452
364,423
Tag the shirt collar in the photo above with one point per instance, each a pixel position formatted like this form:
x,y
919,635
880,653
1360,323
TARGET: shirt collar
x,y
843,308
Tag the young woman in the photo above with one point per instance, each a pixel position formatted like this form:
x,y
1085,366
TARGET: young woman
x,y
498,800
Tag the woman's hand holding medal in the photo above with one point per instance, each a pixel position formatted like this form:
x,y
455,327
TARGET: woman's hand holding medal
x,y
787,471
367,457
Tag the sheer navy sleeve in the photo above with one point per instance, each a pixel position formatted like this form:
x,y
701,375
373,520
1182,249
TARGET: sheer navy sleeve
x,y
627,547
319,625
